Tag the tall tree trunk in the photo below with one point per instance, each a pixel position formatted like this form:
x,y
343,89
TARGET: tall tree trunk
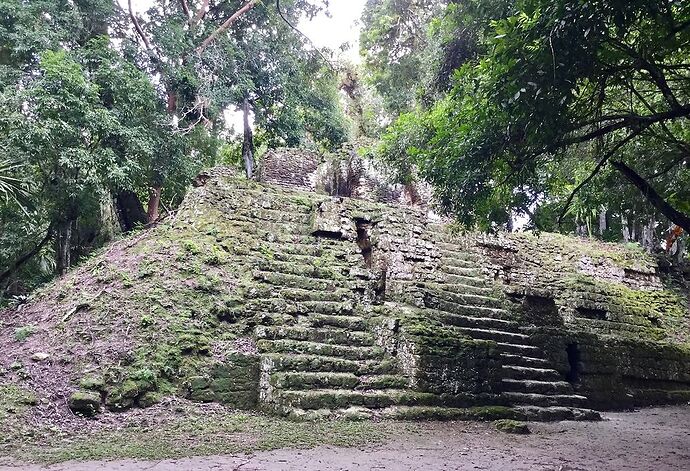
x,y
154,203
626,228
648,239
63,246
675,216
602,221
157,181
130,211
248,142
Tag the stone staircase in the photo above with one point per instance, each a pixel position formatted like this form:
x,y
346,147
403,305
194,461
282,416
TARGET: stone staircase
x,y
319,345
465,300
325,362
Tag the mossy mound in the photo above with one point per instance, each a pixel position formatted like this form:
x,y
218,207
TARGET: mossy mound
x,y
165,309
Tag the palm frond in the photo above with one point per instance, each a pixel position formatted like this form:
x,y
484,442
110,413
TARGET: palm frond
x,y
11,186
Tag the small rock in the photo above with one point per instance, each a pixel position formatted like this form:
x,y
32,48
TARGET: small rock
x,y
85,403
40,356
16,366
512,426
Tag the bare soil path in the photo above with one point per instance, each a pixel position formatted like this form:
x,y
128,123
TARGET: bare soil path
x,y
652,439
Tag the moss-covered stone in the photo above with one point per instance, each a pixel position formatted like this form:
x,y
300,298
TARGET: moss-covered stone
x,y
85,403
512,426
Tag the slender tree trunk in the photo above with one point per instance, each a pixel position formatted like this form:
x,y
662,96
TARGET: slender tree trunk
x,y
626,229
157,181
675,216
154,203
648,235
248,143
602,222
63,246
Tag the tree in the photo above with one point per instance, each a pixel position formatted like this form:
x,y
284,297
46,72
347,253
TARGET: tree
x,y
393,43
607,81
211,55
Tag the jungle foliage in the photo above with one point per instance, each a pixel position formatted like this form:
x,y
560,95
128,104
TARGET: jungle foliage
x,y
107,113
572,114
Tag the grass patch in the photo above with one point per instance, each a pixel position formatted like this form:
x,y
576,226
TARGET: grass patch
x,y
194,435
23,333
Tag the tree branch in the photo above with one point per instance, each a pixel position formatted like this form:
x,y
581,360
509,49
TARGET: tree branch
x,y
595,172
626,121
27,256
222,28
656,75
656,200
199,14
280,13
137,26
185,8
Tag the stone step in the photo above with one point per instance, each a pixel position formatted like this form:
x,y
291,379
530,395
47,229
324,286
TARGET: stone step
x,y
294,268
523,372
313,249
516,349
535,386
473,272
483,413
495,335
312,334
282,362
467,309
383,382
332,308
463,298
557,414
510,359
313,380
353,323
339,398
545,400
461,288
309,363
450,288
486,413
303,295
478,281
321,349
458,263
295,281
453,250
459,320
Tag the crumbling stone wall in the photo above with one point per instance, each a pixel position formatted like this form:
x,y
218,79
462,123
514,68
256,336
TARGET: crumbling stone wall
x,y
341,174
623,313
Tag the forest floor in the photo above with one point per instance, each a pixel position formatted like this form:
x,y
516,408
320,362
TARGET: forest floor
x,y
657,439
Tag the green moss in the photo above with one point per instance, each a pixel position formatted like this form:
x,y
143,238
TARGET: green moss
x,y
85,403
15,400
197,434
512,426
93,383
23,333
661,308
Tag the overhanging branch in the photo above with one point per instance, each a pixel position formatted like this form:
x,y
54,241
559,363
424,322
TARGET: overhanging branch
x,y
652,196
224,27
595,172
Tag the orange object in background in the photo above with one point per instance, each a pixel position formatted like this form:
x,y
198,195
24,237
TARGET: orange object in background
x,y
676,232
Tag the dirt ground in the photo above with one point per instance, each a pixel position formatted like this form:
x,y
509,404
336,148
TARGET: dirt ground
x,y
651,439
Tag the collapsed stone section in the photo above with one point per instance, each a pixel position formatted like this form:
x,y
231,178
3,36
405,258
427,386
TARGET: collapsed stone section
x,y
344,174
